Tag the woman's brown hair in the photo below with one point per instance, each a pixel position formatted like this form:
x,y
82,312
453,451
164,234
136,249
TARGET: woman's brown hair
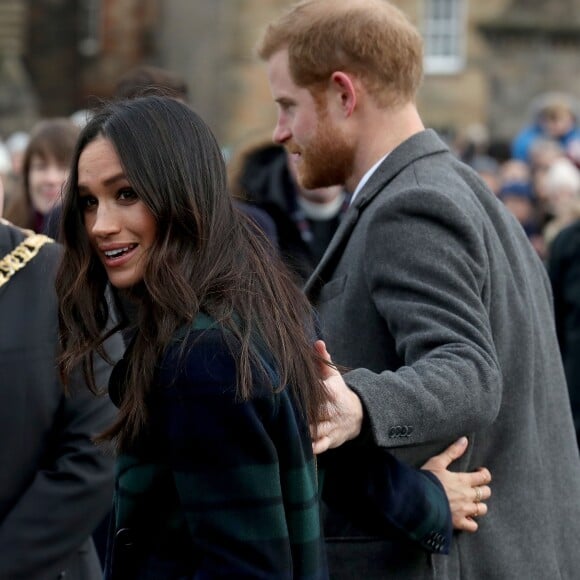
x,y
207,257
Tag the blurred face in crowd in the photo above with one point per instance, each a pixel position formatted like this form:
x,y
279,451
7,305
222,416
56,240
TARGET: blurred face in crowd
x,y
521,208
318,148
120,227
557,121
562,200
541,161
46,177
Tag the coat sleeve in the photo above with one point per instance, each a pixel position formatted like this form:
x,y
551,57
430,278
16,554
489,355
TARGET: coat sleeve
x,y
425,267
386,497
557,271
71,492
226,467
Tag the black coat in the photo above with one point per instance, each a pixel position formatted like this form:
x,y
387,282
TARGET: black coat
x,y
564,270
55,484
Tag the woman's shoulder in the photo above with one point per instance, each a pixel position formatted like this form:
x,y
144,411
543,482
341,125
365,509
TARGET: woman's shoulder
x,y
206,351
201,338
197,328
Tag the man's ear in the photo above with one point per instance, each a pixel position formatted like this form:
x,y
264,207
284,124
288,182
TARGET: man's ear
x,y
344,89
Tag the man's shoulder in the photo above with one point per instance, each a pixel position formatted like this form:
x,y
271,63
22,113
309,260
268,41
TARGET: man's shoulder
x,y
10,237
399,170
39,252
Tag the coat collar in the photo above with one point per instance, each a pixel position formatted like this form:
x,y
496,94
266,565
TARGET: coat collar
x,y
419,145
10,237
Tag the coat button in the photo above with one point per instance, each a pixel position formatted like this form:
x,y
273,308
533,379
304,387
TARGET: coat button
x,y
124,537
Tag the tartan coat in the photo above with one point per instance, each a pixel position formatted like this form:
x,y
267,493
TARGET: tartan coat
x,y
432,294
219,487
216,487
56,485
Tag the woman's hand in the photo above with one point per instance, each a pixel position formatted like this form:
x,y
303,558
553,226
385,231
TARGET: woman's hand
x,y
466,492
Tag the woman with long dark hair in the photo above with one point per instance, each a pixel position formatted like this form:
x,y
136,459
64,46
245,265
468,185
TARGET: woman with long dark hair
x,y
215,468
215,471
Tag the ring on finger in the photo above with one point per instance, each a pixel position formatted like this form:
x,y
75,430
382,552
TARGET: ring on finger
x,y
477,494
476,514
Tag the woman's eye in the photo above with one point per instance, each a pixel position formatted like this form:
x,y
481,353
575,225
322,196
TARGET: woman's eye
x,y
87,202
127,194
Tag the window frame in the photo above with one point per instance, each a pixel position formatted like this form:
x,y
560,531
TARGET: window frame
x,y
444,22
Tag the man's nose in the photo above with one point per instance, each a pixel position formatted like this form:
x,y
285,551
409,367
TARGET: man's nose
x,y
281,133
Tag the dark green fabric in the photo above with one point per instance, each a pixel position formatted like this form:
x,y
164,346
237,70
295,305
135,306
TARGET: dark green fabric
x,y
218,487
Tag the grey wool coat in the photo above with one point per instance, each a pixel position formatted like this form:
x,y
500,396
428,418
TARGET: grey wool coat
x,y
56,485
431,293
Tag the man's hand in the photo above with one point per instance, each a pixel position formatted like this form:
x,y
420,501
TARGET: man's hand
x,y
465,491
344,412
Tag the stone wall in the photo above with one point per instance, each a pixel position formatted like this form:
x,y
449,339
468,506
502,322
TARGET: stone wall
x,y
17,103
516,49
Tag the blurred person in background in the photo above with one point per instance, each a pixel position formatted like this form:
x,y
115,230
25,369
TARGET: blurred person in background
x,y
562,190
17,143
518,197
488,169
16,146
471,141
542,154
554,117
514,170
5,168
264,174
81,117
44,171
55,484
564,272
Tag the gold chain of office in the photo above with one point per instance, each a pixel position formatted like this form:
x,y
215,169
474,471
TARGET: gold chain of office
x,y
21,255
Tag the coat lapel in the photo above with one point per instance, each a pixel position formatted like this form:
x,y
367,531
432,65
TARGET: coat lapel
x,y
421,144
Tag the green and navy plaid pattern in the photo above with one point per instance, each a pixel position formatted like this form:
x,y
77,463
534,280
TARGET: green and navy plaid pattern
x,y
216,487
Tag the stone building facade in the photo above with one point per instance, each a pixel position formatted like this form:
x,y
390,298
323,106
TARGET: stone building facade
x,y
513,50
58,55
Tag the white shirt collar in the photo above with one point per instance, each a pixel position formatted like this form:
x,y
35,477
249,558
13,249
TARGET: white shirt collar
x,y
321,211
366,177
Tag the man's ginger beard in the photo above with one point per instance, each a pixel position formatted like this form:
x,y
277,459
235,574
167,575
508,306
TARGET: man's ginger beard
x,y
328,158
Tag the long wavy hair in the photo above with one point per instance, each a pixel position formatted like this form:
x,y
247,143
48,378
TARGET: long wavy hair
x,y
206,257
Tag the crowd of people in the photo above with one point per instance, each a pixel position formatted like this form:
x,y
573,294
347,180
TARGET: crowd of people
x,y
317,359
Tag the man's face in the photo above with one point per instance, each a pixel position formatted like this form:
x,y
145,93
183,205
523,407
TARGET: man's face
x,y
319,148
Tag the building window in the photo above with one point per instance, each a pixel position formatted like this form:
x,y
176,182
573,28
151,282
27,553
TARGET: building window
x,y
444,29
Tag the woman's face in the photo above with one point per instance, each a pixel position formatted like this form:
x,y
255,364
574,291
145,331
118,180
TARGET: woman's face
x,y
120,227
46,177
